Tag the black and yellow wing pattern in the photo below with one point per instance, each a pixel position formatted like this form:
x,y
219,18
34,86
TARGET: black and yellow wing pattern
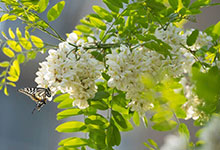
x,y
39,95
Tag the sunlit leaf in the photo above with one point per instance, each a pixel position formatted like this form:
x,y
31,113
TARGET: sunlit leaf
x,y
69,112
37,41
61,98
55,11
83,28
136,118
216,29
42,5
6,91
183,129
104,14
71,126
11,83
8,52
14,45
18,33
4,64
16,66
11,33
21,58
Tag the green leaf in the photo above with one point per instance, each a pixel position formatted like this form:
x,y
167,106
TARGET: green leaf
x,y
116,3
184,130
8,52
25,43
173,4
96,122
42,5
97,55
21,58
69,113
186,3
192,38
113,136
119,119
104,14
83,28
8,17
31,55
11,33
71,126
216,29
61,98
207,87
105,76
164,126
100,104
111,7
37,41
55,11
14,45
4,64
136,118
98,23
101,94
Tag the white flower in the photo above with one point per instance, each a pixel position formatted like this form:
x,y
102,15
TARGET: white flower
x,y
73,73
173,142
211,135
72,38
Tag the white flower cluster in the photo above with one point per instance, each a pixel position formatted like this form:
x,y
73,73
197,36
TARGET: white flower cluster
x,y
126,66
211,135
174,142
70,72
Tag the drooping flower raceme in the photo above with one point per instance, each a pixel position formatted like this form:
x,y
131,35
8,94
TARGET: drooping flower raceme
x,y
72,72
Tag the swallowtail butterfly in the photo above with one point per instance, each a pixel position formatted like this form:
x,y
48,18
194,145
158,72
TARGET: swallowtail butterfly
x,y
39,95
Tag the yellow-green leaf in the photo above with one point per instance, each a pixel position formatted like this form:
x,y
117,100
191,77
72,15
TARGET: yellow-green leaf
x,y
14,45
4,17
98,23
4,64
71,126
55,11
136,118
18,33
6,91
12,78
37,41
11,33
42,5
4,35
21,58
17,67
8,52
25,43
76,142
11,83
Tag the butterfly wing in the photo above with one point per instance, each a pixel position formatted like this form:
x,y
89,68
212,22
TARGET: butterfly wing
x,y
30,92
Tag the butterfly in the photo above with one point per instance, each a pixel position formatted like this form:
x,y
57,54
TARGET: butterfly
x,y
37,94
